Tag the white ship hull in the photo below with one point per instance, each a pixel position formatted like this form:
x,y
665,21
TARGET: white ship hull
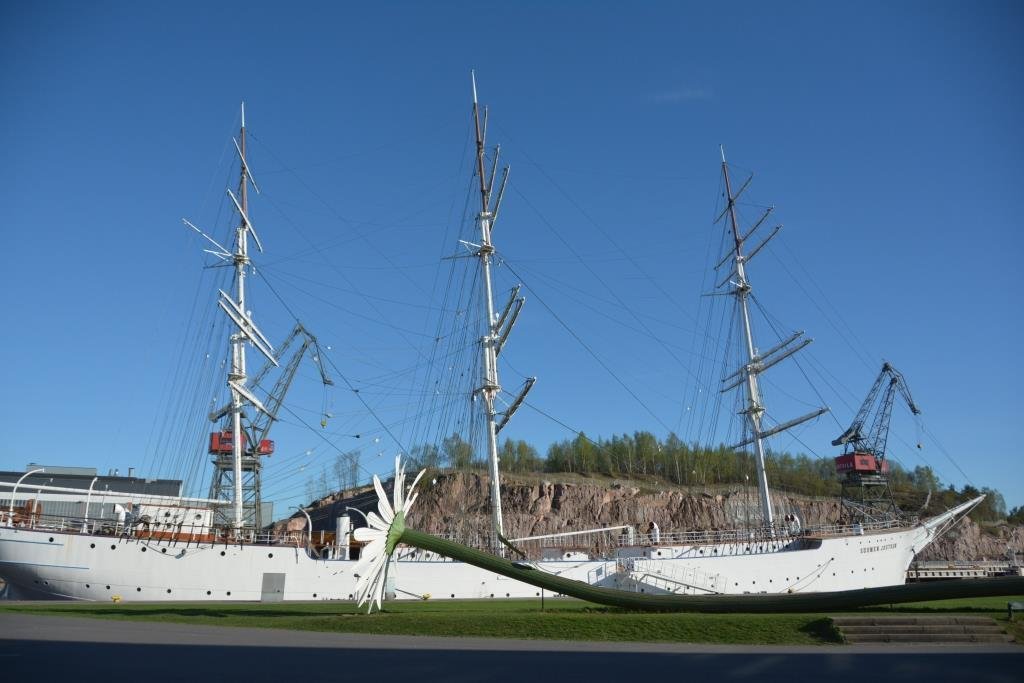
x,y
41,563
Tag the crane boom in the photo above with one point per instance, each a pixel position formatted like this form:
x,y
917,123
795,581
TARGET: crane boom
x,y
878,407
261,426
866,493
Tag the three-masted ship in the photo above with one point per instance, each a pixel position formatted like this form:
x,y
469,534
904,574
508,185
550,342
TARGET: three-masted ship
x,y
170,548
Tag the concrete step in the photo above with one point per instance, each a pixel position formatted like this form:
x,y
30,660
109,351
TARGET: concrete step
x,y
920,629
927,638
910,621
945,628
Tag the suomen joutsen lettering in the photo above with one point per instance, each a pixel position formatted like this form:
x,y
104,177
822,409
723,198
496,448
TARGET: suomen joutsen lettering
x,y
876,548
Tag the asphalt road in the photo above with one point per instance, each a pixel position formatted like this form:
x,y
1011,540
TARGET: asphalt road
x,y
50,648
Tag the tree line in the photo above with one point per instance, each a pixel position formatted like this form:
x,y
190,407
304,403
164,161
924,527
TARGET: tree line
x,y
642,455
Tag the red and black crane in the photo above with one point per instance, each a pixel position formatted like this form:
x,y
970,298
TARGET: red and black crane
x,y
863,465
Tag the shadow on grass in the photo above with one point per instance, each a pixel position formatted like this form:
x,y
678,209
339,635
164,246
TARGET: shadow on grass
x,y
823,630
215,613
915,609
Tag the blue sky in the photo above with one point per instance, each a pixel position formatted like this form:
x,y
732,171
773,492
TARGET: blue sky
x,y
887,136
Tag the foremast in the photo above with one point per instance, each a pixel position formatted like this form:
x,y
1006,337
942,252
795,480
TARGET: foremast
x,y
237,378
757,363
497,327
241,469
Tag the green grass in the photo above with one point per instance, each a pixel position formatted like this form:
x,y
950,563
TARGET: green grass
x,y
563,619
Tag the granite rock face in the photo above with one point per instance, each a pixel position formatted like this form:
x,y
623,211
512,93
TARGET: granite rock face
x,y
968,541
460,503
546,507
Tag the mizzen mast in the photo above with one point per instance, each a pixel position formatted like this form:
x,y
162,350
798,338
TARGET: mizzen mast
x,y
497,327
756,362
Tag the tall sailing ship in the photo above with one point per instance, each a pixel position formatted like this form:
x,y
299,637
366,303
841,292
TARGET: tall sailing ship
x,y
174,548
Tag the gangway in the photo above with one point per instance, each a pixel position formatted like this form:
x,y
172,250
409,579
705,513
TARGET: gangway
x,y
675,580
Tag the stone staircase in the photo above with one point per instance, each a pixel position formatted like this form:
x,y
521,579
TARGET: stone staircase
x,y
926,629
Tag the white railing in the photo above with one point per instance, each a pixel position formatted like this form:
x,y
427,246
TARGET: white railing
x,y
604,572
603,540
654,572
178,533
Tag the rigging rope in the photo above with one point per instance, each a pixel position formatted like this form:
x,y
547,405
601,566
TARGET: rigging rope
x,y
589,350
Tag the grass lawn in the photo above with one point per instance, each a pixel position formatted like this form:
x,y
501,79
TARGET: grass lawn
x,y
562,619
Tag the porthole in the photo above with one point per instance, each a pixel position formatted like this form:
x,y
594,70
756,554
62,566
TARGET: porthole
x,y
112,547
92,545
229,592
143,548
138,590
51,539
314,595
222,553
453,595
507,595
270,554
492,595
163,550
208,592
108,587
87,586
350,596
168,590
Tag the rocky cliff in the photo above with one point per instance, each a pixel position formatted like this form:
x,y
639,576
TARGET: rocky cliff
x,y
969,541
544,506
534,505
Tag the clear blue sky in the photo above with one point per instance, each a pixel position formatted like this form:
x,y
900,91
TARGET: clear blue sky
x,y
887,134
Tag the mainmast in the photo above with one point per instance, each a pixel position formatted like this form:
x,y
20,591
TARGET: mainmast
x,y
497,328
756,363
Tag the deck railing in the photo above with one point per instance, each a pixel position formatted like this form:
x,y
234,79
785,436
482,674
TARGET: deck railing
x,y
595,542
137,530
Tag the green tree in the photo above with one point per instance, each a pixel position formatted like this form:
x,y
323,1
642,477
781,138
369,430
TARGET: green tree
x,y
425,456
1016,515
458,454
519,456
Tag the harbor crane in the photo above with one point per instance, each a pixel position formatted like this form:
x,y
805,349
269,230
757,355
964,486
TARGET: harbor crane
x,y
866,495
255,434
